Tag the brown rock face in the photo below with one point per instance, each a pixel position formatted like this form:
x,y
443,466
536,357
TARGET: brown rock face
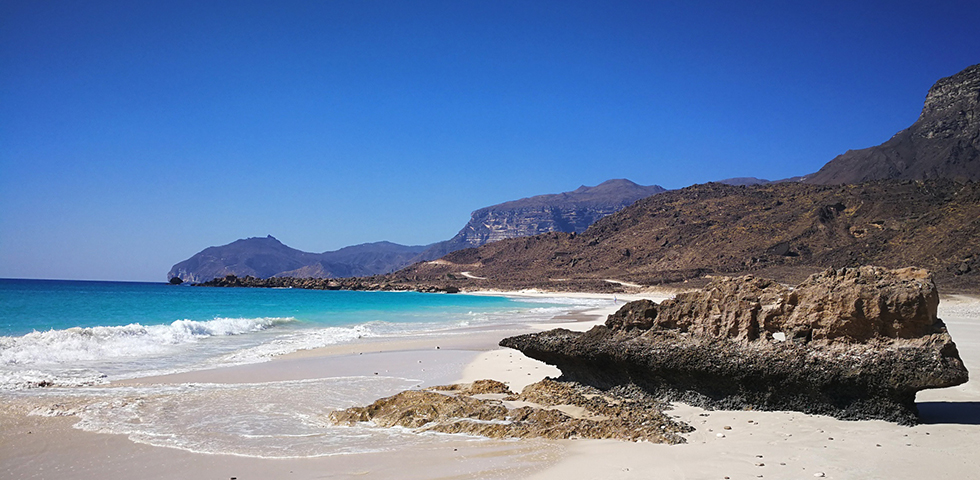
x,y
845,305
855,343
546,409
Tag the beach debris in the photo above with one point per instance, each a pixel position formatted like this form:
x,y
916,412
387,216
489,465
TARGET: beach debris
x,y
860,342
547,409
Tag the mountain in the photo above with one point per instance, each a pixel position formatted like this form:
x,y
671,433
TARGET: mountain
x,y
737,181
943,143
268,257
784,231
569,212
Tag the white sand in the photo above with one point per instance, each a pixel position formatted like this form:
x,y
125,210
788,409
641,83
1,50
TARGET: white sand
x,y
786,444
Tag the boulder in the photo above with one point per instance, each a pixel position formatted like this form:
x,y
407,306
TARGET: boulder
x,y
854,343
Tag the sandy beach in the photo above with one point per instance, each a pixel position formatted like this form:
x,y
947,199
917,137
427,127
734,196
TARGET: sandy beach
x,y
42,442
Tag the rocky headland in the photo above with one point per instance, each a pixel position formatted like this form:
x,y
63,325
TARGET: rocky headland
x,y
854,343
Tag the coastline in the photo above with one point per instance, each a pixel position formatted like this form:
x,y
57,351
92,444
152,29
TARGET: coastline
x,y
787,444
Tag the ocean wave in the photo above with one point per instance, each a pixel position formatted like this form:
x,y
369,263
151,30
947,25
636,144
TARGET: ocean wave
x,y
58,347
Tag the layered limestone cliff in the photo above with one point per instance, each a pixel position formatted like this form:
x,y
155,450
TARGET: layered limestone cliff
x,y
562,212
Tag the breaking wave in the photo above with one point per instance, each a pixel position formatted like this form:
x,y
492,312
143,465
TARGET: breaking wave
x,y
134,340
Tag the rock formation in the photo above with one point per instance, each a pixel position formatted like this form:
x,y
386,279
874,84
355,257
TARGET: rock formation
x,y
546,409
561,212
943,143
854,343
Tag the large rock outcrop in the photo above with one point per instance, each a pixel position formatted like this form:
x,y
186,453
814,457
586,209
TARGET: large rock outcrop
x,y
854,343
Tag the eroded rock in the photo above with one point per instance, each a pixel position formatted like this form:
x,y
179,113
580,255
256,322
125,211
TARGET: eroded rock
x,y
858,344
547,409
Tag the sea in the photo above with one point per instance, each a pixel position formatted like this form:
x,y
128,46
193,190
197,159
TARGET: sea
x,y
65,345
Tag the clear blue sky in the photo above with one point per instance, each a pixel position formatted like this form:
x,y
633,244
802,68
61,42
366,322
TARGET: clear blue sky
x,y
134,134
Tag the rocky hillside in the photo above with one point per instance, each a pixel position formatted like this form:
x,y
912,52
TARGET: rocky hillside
x,y
783,230
561,212
943,143
268,257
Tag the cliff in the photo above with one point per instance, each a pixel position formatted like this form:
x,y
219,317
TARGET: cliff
x,y
569,212
943,143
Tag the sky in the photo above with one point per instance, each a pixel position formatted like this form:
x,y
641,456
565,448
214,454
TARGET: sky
x,y
135,134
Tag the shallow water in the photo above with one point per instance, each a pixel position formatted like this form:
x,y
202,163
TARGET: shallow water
x,y
67,333
74,338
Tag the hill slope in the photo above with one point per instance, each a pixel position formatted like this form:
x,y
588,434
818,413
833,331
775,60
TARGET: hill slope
x,y
782,230
943,143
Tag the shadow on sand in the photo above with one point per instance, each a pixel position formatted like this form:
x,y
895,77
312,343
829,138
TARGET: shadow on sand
x,y
962,413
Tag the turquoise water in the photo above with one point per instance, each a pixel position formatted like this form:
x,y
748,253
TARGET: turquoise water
x,y
71,333
29,305
74,338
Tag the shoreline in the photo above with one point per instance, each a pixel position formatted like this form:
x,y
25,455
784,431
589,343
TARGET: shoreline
x,y
787,444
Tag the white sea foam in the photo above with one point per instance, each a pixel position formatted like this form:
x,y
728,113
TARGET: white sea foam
x,y
95,355
301,340
267,420
134,340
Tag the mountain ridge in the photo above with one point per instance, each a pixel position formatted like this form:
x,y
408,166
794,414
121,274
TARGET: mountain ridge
x,y
266,257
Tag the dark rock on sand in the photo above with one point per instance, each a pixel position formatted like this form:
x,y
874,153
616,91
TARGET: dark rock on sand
x,y
854,343
547,409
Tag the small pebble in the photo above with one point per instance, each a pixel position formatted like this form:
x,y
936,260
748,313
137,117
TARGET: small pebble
x,y
727,427
760,464
819,474
720,435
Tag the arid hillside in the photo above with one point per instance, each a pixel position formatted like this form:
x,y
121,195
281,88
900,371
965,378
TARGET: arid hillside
x,y
784,231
